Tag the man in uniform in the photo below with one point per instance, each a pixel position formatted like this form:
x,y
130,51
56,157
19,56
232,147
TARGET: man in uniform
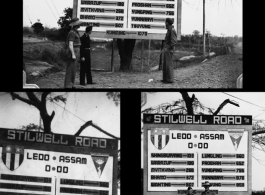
x,y
85,65
73,45
207,185
170,42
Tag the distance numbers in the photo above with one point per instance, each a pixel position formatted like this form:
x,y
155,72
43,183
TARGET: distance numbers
x,y
220,185
165,162
101,10
116,25
153,5
223,163
58,169
191,170
94,17
100,3
151,12
161,177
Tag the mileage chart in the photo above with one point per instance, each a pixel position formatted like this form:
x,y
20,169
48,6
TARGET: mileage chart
x,y
151,15
180,158
133,19
56,173
103,14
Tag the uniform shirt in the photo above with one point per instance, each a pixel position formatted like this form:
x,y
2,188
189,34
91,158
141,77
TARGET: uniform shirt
x,y
74,36
85,43
171,38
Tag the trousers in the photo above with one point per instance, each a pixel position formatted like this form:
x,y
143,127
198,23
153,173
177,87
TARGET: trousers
x,y
71,69
168,70
85,68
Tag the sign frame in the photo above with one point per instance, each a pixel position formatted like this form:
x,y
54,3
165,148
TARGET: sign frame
x,y
148,125
134,33
55,145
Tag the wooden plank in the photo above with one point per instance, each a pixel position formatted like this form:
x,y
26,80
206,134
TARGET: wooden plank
x,y
179,20
112,56
75,9
142,52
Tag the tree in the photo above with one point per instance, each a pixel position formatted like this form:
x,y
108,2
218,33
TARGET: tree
x,y
64,22
39,100
196,33
40,104
125,47
37,27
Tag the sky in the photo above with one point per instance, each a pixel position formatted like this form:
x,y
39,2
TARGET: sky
x,y
87,106
213,100
222,16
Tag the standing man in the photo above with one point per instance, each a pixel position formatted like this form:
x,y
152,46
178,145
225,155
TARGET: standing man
x,y
85,69
170,42
73,45
207,185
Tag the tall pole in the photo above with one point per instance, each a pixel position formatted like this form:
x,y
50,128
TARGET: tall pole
x,y
112,56
179,20
203,27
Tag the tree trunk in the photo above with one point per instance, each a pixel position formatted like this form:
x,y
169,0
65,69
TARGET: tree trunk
x,y
188,102
47,120
125,47
40,105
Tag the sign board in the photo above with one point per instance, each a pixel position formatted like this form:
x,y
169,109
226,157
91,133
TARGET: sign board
x,y
41,163
132,19
187,150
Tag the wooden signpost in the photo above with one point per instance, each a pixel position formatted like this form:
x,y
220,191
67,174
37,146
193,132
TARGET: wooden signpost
x,y
128,19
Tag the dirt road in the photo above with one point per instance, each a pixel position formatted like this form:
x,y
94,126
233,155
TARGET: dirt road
x,y
218,72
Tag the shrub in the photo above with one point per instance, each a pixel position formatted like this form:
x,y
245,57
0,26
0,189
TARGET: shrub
x,y
37,27
48,56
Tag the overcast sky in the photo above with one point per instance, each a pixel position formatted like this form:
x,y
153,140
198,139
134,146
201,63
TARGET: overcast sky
x,y
222,16
213,100
87,106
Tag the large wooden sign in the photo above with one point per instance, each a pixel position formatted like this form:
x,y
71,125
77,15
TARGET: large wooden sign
x,y
186,150
41,163
134,19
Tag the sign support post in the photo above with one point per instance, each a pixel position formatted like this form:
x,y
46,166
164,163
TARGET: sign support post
x,y
112,56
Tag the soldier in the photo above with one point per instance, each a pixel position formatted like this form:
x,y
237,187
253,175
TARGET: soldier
x,y
207,185
85,65
73,45
170,42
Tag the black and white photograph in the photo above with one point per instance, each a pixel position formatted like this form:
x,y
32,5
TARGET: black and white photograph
x,y
60,143
88,44
203,143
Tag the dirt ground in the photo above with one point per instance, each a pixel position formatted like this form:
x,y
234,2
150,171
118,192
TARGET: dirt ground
x,y
217,72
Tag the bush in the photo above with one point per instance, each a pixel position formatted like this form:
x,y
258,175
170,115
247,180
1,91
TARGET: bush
x,y
52,34
48,56
62,54
37,27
